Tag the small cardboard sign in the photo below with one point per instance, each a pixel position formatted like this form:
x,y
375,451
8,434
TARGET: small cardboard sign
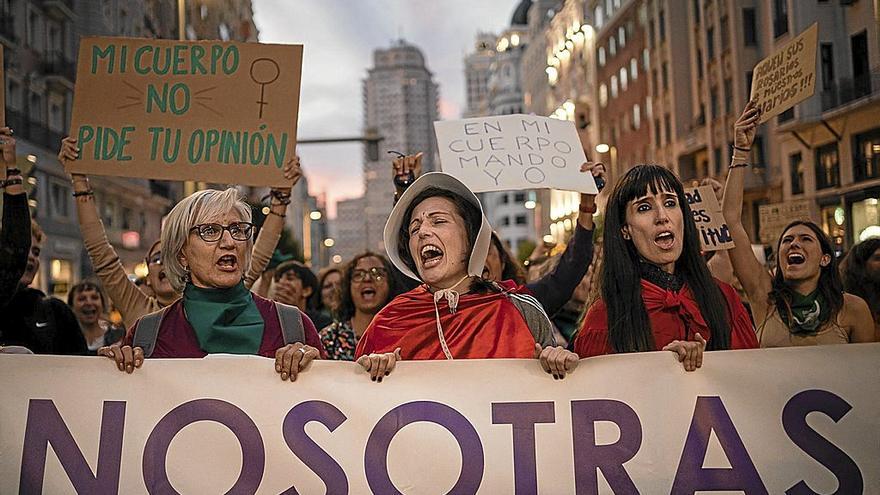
x,y
774,217
513,152
787,77
212,111
706,210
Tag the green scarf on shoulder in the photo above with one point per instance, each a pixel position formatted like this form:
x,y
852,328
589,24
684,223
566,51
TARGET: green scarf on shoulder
x,y
225,320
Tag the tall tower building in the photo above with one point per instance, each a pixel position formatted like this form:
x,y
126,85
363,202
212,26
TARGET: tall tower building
x,y
400,100
476,74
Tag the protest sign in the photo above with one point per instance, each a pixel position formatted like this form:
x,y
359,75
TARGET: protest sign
x,y
229,425
787,77
714,232
513,152
774,217
211,111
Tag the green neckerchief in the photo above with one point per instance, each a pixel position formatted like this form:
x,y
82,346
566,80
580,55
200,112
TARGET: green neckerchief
x,y
808,312
225,320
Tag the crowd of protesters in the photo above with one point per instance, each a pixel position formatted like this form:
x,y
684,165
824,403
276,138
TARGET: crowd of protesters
x,y
446,287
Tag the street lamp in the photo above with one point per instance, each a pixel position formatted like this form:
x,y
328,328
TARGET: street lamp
x,y
329,242
315,215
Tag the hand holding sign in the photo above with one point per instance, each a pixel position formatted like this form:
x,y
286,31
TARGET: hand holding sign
x,y
706,210
746,127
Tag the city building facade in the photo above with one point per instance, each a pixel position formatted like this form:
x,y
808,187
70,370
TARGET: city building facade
x,y
400,104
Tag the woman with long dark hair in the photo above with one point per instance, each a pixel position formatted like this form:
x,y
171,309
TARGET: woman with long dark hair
x,y
803,303
861,276
657,292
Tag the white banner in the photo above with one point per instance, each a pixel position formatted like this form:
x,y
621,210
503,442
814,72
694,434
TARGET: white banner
x,y
513,152
757,421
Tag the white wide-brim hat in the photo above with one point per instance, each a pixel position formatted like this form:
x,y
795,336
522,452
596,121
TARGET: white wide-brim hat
x,y
440,180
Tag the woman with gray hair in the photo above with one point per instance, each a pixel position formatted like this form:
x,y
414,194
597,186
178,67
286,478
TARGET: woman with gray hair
x,y
207,242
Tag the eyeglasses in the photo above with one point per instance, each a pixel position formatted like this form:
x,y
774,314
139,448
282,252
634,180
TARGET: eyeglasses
x,y
374,273
155,259
212,232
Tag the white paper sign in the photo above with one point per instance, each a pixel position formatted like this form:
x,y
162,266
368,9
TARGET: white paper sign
x,y
513,152
753,421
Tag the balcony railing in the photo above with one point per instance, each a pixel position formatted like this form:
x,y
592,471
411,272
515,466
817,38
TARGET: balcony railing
x,y
843,91
32,130
56,64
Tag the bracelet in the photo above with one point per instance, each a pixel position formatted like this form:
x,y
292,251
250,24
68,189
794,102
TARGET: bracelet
x,y
13,171
276,214
747,150
738,165
12,182
87,192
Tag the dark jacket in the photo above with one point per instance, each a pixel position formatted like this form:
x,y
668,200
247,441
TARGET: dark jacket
x,y
15,242
44,325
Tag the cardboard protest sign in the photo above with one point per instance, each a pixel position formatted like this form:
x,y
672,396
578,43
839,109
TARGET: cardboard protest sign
x,y
774,217
714,232
211,111
787,77
513,152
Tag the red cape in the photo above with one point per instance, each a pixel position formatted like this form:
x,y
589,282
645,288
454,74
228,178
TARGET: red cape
x,y
484,326
673,316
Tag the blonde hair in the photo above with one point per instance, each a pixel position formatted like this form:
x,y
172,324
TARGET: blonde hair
x,y
197,208
37,232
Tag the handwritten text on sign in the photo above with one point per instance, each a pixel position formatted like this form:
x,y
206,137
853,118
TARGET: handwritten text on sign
x,y
787,77
513,152
226,424
774,217
714,232
213,111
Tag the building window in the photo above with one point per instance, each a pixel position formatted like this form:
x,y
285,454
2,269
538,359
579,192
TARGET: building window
x,y
865,218
785,116
646,59
603,95
614,86
60,196
521,220
621,36
665,70
612,46
827,166
519,197
623,79
716,155
601,56
780,17
503,200
637,117
699,63
796,166
867,155
758,152
826,62
661,21
750,27
633,69
728,96
657,132
724,27
505,221
710,43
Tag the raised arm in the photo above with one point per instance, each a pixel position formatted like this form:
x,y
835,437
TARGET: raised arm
x,y
126,296
751,273
15,238
270,233
556,288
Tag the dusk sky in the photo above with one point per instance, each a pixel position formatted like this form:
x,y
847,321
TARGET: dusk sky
x,y
338,38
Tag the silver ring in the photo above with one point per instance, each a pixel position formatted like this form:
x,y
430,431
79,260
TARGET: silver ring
x,y
302,350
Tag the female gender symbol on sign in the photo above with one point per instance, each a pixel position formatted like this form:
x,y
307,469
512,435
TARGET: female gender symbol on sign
x,y
264,71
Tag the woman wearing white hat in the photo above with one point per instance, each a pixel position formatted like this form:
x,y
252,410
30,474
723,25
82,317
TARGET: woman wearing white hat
x,y
438,235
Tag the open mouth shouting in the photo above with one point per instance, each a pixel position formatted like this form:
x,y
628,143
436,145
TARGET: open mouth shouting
x,y
228,263
431,256
368,294
796,259
665,240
